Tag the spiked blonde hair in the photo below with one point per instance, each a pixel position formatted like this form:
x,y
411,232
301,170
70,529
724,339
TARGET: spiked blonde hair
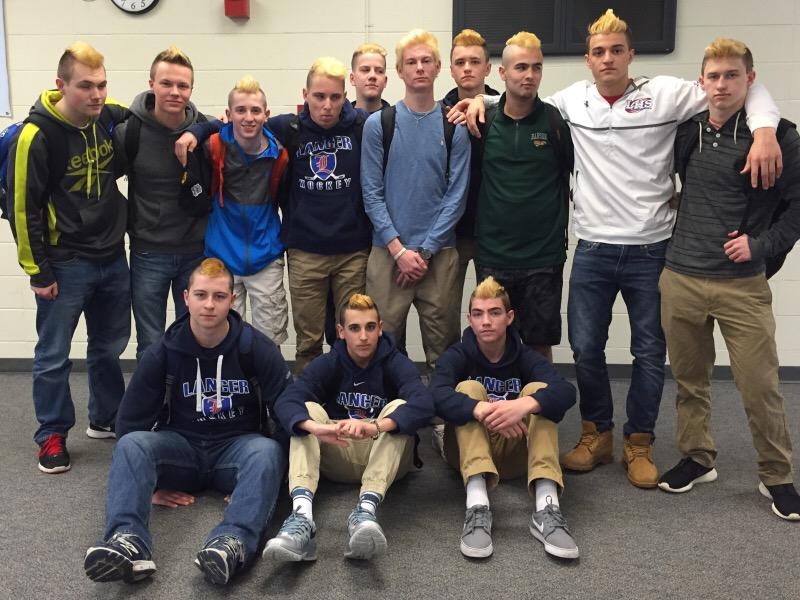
x,y
80,52
727,48
358,302
488,289
608,22
174,56
213,268
368,48
414,37
327,66
470,37
246,85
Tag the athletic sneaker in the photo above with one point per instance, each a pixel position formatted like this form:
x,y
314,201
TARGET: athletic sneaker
x,y
220,558
53,455
785,501
296,540
476,537
123,556
682,477
99,432
437,440
550,527
366,536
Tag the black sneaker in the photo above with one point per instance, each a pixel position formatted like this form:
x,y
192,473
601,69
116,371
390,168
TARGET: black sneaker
x,y
53,455
100,432
220,558
682,477
785,501
124,556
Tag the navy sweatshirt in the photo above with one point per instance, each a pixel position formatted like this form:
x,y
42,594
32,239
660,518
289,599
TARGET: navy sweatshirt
x,y
347,391
503,380
226,405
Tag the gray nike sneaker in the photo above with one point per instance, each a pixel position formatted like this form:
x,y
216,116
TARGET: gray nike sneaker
x,y
366,536
476,538
296,540
550,527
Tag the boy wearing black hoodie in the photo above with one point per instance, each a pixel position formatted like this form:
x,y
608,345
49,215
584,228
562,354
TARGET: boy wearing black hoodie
x,y
204,430
502,402
349,399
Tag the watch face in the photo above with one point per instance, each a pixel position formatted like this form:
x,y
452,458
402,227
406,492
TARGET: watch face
x,y
135,7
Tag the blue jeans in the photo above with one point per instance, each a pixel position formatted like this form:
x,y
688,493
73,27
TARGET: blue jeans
x,y
152,275
599,272
251,466
102,293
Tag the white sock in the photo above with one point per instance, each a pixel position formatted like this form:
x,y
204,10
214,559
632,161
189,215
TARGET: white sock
x,y
303,502
546,493
369,501
476,491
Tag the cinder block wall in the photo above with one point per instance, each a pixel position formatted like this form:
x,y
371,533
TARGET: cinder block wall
x,y
277,45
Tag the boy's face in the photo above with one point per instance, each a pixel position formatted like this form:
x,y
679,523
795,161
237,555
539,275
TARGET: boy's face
x,y
489,319
726,82
369,76
361,331
325,97
248,113
469,68
209,300
419,68
172,87
522,71
85,92
608,58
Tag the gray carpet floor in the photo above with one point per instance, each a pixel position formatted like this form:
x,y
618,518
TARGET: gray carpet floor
x,y
721,540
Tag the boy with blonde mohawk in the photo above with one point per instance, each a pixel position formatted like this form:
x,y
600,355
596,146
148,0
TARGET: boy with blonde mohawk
x,y
623,130
413,258
714,270
502,402
352,415
166,239
68,220
368,77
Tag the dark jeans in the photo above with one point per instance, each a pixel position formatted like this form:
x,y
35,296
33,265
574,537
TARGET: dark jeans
x,y
152,275
251,466
599,272
101,292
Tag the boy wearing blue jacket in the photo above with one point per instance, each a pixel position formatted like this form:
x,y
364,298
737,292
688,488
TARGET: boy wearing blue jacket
x,y
350,399
192,418
502,402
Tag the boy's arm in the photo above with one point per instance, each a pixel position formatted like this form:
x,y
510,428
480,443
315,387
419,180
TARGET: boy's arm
x,y
144,396
372,180
449,404
418,410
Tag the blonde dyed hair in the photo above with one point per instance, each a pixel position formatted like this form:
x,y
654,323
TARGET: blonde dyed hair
x,y
246,85
489,289
212,268
727,48
358,302
524,39
327,66
174,56
608,22
470,37
368,48
80,52
413,38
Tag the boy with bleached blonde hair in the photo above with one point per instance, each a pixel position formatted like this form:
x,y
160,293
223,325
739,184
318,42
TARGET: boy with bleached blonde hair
x,y
68,219
368,76
502,402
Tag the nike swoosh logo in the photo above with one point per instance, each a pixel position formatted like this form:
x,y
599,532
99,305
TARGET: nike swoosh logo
x,y
538,526
358,384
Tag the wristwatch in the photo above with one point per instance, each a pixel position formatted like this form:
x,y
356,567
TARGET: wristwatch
x,y
425,254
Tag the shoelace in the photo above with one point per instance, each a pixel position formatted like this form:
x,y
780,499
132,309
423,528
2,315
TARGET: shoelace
x,y
297,523
638,451
121,539
586,439
52,446
553,518
477,518
359,515
233,548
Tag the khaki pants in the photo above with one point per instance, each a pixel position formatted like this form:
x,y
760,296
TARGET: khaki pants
x,y
473,450
268,308
310,278
743,309
467,249
375,463
431,297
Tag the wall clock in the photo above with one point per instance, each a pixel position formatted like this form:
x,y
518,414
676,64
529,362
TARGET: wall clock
x,y
135,7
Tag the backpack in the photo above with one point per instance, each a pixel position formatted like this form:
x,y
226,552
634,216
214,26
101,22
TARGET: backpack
x,y
388,118
686,141
217,155
266,424
56,150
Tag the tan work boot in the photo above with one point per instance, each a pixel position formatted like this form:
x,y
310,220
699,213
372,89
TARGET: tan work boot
x,y
638,460
594,448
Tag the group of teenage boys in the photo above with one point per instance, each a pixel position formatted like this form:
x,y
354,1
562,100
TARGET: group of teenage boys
x,y
383,208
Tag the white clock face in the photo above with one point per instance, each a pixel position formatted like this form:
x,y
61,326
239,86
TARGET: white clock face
x,y
135,7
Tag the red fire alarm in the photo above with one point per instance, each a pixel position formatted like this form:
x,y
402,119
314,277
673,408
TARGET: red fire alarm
x,y
237,8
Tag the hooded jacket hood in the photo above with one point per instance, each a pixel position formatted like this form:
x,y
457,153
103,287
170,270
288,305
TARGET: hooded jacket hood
x,y
144,104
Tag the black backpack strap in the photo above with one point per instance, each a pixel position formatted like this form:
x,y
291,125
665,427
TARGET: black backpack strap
x,y
133,131
358,127
388,117
449,132
56,147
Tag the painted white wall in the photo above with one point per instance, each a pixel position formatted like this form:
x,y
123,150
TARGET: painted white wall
x,y
277,45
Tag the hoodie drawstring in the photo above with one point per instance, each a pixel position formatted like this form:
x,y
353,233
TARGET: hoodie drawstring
x,y
199,387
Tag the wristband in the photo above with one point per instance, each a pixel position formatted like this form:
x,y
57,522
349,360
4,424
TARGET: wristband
x,y
399,253
378,427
